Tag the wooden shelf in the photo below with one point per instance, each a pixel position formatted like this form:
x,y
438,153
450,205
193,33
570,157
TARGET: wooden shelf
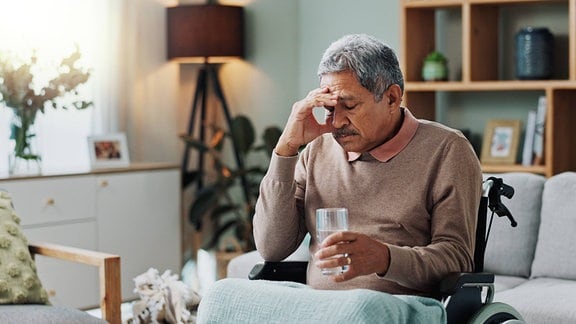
x,y
476,26
454,3
431,3
500,2
491,168
490,85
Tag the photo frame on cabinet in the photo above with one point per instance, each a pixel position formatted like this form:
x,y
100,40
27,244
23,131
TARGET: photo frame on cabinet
x,y
108,151
500,143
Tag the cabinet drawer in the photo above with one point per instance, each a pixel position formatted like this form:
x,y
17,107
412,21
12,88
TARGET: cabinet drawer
x,y
43,201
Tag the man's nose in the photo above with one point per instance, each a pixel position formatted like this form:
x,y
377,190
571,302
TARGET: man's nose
x,y
339,118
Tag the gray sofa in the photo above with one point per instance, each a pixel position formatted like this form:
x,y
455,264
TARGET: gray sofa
x,y
534,263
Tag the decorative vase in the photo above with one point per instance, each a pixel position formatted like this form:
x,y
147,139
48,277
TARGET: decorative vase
x,y
435,67
534,53
434,71
24,157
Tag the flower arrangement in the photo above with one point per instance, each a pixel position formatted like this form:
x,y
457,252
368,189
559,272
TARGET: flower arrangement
x,y
25,93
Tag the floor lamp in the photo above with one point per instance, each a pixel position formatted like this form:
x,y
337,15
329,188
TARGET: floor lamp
x,y
210,35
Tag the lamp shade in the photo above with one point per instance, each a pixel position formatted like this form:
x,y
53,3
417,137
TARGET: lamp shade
x,y
205,31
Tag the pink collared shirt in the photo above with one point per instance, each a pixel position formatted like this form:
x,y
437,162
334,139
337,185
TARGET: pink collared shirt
x,y
396,144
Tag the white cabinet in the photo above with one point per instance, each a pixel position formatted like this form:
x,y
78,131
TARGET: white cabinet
x,y
138,219
133,212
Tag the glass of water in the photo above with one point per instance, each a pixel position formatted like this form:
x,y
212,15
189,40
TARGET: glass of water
x,y
328,221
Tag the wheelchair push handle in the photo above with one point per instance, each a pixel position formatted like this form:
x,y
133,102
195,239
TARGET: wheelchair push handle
x,y
494,188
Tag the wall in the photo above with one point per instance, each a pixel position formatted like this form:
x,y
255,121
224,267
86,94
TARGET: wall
x,y
260,85
324,21
285,40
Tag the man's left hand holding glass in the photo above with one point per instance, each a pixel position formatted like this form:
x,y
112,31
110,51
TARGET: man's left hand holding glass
x,y
363,255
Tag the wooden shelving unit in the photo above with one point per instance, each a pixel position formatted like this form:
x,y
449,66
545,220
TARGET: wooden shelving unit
x,y
481,69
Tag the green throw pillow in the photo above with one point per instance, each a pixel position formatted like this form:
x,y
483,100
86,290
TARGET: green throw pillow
x,y
19,282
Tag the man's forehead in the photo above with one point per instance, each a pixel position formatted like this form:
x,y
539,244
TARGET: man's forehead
x,y
345,96
344,84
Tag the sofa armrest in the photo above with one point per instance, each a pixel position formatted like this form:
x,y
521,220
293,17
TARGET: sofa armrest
x,y
109,270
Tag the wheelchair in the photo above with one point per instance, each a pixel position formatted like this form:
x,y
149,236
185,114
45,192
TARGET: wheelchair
x,y
467,297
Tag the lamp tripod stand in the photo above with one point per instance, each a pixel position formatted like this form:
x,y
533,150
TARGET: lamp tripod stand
x,y
208,72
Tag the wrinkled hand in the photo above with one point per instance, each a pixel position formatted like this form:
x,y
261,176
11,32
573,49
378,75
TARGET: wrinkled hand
x,y
302,127
367,256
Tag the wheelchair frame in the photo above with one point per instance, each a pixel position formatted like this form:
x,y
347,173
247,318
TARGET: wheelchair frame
x,y
467,297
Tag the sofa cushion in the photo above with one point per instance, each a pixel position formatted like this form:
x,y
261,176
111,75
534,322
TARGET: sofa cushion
x,y
19,282
33,314
556,250
510,250
543,300
502,283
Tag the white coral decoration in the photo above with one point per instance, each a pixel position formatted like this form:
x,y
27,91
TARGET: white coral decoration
x,y
164,299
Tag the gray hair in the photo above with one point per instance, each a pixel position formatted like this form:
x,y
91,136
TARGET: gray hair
x,y
374,63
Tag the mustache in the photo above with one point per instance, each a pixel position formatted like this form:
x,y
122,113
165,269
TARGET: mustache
x,y
341,132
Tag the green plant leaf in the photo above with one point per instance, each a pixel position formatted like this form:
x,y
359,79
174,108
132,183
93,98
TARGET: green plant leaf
x,y
80,105
205,200
189,177
435,56
197,144
270,137
242,133
212,242
222,210
217,202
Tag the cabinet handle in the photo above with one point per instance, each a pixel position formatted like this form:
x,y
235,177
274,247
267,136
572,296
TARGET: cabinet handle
x,y
50,202
104,183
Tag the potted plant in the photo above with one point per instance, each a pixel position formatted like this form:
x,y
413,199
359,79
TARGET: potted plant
x,y
218,202
435,67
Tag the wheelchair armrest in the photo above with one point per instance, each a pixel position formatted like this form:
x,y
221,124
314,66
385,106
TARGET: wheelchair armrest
x,y
464,294
280,271
457,280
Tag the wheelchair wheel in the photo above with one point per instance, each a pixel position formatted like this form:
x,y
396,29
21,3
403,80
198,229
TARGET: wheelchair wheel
x,y
497,313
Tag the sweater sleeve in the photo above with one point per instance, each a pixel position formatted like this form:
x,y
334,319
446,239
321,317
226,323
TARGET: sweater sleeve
x,y
279,227
455,196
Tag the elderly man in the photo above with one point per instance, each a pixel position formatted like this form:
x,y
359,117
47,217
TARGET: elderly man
x,y
412,187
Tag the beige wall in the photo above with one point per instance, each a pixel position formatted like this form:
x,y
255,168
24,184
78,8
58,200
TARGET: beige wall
x,y
284,42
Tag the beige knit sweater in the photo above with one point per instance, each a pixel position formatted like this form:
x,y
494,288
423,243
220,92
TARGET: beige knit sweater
x,y
422,203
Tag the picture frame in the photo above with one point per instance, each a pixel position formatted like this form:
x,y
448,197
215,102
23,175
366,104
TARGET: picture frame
x,y
108,151
500,142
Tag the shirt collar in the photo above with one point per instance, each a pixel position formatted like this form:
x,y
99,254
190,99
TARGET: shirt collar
x,y
396,144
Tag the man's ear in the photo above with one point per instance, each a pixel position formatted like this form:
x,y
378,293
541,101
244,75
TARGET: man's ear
x,y
394,95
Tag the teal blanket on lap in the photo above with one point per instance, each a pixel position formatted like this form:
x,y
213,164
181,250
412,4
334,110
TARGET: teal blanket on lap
x,y
245,301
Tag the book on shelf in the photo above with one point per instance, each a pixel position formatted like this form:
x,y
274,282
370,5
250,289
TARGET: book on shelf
x,y
528,149
539,131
